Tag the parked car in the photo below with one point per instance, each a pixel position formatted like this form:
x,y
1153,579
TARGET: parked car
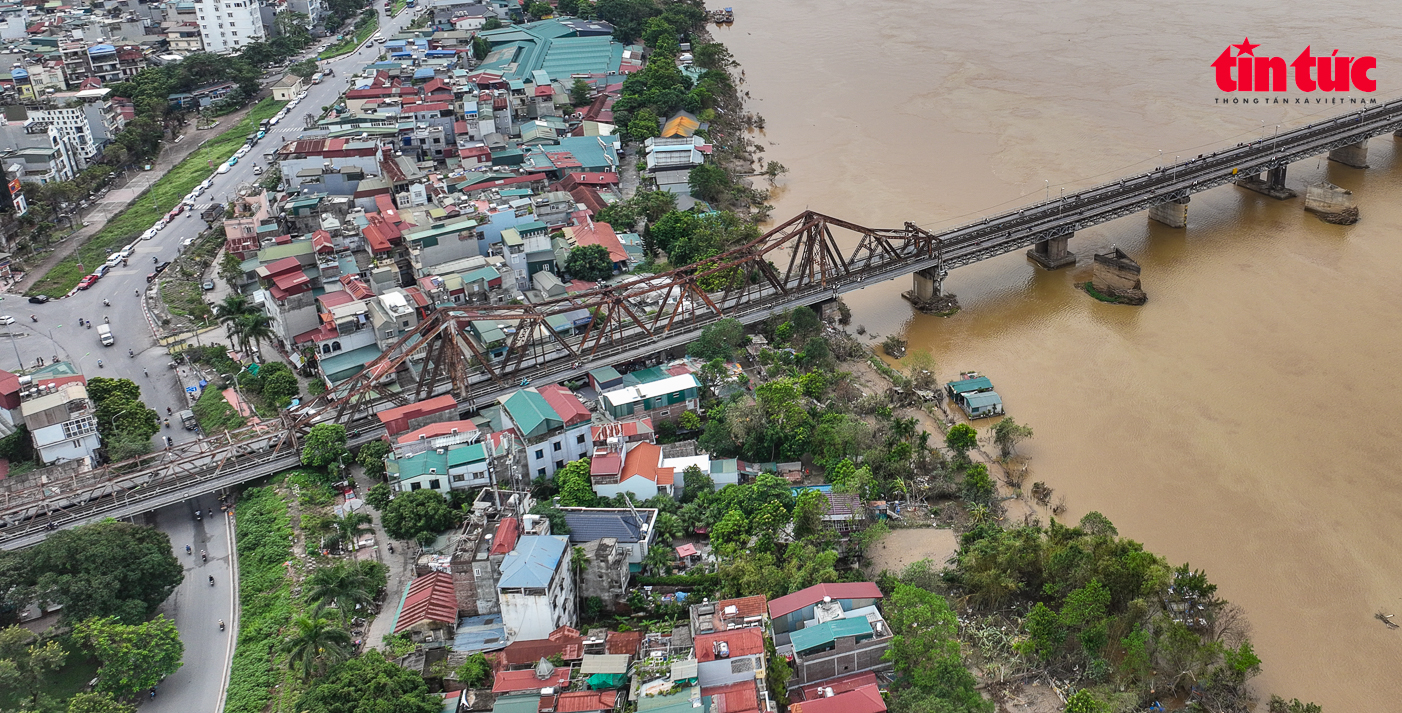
x,y
223,168
87,282
208,285
257,170
6,319
235,159
38,299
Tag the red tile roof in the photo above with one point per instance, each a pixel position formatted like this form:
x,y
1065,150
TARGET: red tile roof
x,y
565,403
814,594
623,642
335,299
527,652
589,197
419,408
744,606
357,289
585,701
622,429
605,464
517,681
866,699
644,461
287,264
320,334
504,539
738,697
430,598
595,233
841,684
743,642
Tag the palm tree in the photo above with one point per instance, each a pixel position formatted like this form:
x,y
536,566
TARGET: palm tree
x,y
349,526
233,307
254,327
346,585
315,643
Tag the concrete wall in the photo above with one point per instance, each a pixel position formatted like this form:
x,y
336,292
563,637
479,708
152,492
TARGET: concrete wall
x,y
846,658
529,617
1328,198
638,487
731,670
570,449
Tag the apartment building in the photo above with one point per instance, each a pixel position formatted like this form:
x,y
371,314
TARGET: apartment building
x,y
227,27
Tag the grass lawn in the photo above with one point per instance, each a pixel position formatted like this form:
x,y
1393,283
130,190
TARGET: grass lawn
x,y
215,414
397,7
349,44
169,190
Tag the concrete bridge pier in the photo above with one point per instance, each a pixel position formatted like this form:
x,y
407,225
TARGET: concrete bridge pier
x,y
1273,185
929,295
1174,213
1354,155
1052,253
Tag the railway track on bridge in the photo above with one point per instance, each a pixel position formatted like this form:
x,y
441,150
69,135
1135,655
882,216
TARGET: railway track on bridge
x,y
819,269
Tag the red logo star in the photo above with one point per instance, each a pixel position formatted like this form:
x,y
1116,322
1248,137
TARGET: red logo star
x,y
1245,47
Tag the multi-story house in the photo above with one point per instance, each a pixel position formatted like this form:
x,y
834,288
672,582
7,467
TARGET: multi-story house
x,y
536,588
39,152
552,437
86,119
228,25
185,37
831,630
60,420
661,400
392,316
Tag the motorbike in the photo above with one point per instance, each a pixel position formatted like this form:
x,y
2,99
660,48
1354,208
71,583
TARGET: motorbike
x,y
106,302
187,549
391,548
89,325
99,363
32,318
167,421
204,556
131,353
211,580
221,624
198,514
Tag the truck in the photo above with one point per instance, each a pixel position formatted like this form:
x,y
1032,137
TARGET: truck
x,y
316,78
187,419
104,333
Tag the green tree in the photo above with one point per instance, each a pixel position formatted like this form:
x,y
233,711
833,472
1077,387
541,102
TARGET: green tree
x,y
590,263
26,662
1007,434
230,267
418,515
369,684
480,46
925,648
961,438
732,532
372,458
1280,705
690,421
346,585
576,487
539,10
475,672
695,483
98,703
580,92
349,527
108,568
558,526
1083,702
718,340
644,125
708,181
668,527
672,228
133,657
325,444
492,23
978,487
304,69
279,383
808,512
316,642
16,585
379,496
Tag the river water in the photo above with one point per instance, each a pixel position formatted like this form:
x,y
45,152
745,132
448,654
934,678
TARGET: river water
x,y
1246,420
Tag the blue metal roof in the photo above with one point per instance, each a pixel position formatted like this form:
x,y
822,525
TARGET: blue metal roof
x,y
533,562
101,49
825,633
480,633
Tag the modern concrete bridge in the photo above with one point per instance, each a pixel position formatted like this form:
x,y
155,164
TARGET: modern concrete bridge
x,y
798,263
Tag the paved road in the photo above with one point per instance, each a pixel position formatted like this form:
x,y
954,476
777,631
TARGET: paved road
x,y
57,333
197,608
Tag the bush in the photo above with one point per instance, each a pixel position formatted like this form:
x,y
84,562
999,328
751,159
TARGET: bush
x,y
265,597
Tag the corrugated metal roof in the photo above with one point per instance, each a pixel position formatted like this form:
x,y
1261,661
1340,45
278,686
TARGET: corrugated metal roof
x,y
589,524
530,412
533,562
812,595
982,398
430,598
604,663
965,385
822,634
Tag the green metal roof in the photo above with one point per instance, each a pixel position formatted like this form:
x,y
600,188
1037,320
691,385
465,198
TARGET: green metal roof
x,y
516,704
273,253
470,453
511,237
965,385
441,229
486,273
418,464
533,226
488,331
679,702
343,365
605,374
813,637
982,398
531,413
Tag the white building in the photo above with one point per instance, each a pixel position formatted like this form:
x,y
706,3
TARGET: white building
x,y
536,589
86,119
38,146
227,26
60,421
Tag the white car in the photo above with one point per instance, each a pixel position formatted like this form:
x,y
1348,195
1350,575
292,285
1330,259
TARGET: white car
x,y
114,259
273,121
128,251
148,234
242,152
7,319
223,168
208,182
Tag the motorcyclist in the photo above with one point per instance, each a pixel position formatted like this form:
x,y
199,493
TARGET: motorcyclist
x,y
131,353
106,319
187,549
106,302
221,624
167,423
204,556
99,363
154,259
211,580
168,411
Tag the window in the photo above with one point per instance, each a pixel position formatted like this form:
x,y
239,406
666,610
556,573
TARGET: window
x,y
540,472
458,478
540,453
666,413
557,446
559,464
579,438
433,484
414,486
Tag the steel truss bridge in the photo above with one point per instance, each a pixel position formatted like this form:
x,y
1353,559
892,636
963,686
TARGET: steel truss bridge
x,y
800,262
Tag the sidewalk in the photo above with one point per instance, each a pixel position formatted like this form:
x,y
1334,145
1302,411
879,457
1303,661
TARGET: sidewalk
x,y
123,194
400,563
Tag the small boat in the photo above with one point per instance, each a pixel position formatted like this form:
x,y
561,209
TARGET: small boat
x,y
723,17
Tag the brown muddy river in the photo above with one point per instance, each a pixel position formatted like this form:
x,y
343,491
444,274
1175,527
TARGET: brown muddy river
x,y
1246,419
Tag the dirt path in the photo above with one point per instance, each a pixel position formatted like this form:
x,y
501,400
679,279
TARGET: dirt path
x,y
124,192
904,547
